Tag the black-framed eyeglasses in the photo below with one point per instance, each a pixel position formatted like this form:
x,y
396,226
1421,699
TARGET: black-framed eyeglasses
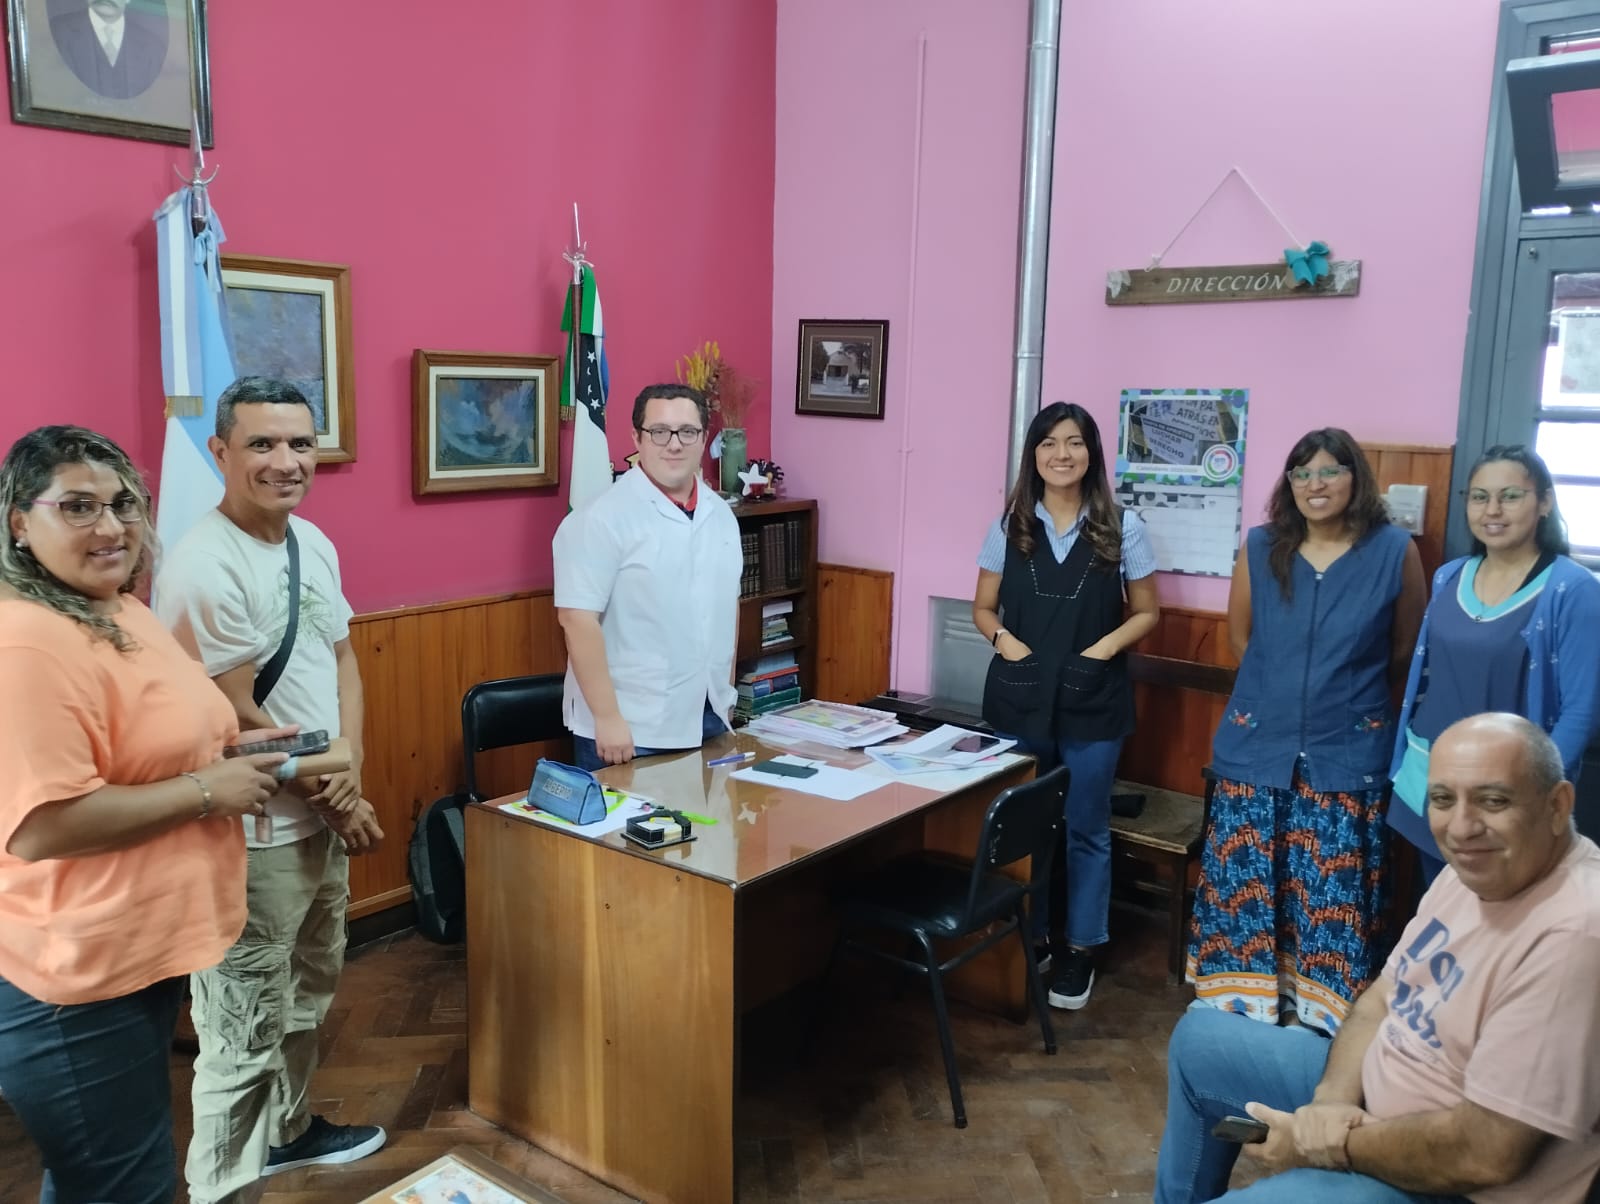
x,y
86,511
688,436
1508,497
1328,473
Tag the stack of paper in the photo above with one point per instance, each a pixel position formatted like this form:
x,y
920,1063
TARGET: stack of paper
x,y
830,723
954,746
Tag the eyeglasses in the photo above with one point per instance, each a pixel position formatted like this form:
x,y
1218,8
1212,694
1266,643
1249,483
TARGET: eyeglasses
x,y
1301,477
1508,497
86,511
688,436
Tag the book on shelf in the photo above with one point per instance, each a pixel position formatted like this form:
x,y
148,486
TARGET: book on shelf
x,y
794,551
750,578
773,664
764,686
750,708
774,564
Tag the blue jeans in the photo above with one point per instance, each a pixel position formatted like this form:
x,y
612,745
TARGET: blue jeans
x,y
1093,764
586,756
1216,1063
90,1083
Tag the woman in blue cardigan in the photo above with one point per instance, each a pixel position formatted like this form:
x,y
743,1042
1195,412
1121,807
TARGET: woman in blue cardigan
x,y
1513,627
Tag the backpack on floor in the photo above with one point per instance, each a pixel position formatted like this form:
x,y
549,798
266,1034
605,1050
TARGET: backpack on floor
x,y
438,862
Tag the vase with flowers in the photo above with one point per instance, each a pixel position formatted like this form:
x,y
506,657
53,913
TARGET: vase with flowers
x,y
729,393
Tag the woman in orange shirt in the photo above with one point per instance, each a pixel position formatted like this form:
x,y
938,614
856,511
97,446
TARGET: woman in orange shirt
x,y
121,856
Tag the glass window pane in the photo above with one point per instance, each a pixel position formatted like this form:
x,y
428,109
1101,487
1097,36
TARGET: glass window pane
x,y
1575,122
1571,449
1580,506
1572,356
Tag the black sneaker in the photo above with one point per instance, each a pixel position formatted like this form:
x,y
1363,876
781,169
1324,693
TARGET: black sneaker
x,y
325,1143
1071,987
1041,956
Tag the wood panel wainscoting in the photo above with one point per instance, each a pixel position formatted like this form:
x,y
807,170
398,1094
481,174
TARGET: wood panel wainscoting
x,y
854,632
418,661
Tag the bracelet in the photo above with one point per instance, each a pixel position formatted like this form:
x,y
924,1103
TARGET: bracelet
x,y
994,640
205,793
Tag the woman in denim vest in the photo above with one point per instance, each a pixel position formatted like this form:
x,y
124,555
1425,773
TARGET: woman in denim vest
x,y
1323,614
1513,627
1074,576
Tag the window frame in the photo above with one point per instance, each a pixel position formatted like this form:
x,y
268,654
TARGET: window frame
x,y
1504,224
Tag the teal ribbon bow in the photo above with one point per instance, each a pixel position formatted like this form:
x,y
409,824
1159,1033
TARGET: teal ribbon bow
x,y
1309,265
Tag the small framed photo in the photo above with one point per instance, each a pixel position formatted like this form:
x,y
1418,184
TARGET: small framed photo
x,y
484,421
290,318
128,68
841,368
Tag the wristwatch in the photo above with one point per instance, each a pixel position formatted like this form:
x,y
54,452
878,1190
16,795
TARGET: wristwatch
x,y
994,640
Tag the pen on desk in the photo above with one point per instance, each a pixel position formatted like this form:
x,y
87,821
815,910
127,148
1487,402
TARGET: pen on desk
x,y
733,759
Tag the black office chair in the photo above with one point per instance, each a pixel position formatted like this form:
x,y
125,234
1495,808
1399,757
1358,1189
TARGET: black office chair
x,y
507,711
930,898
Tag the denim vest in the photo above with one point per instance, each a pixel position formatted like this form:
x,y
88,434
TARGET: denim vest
x,y
1313,687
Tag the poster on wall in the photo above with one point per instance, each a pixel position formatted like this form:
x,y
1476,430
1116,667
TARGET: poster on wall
x,y
1180,464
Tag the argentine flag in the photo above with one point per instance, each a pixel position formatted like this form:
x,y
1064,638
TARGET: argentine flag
x,y
196,364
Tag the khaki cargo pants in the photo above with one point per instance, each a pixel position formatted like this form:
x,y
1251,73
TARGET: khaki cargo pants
x,y
257,1015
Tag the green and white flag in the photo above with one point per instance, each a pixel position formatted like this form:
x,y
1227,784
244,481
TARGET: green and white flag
x,y
585,382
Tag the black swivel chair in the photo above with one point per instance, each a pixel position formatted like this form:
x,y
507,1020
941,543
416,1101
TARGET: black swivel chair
x,y
507,711
930,898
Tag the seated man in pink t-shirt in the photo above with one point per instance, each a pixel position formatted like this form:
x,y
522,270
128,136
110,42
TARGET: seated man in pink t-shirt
x,y
1468,1070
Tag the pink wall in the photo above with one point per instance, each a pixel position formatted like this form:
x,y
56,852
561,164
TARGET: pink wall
x,y
917,224
439,156
1317,103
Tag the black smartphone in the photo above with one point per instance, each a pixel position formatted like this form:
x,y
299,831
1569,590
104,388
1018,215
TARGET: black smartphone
x,y
974,743
1246,1130
302,745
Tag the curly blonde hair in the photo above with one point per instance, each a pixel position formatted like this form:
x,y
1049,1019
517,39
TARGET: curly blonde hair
x,y
29,468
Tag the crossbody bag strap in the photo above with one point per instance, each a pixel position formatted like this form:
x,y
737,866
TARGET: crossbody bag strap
x,y
273,669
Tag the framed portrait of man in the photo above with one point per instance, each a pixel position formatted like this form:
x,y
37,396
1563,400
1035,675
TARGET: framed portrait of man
x,y
128,68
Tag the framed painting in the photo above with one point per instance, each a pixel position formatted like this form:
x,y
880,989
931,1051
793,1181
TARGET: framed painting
x,y
462,1175
841,368
129,68
484,421
290,318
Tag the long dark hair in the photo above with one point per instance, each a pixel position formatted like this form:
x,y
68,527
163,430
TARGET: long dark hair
x,y
1286,526
1102,523
29,468
1551,533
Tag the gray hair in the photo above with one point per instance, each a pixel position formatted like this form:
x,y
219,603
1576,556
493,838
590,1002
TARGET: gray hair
x,y
255,390
28,470
1541,758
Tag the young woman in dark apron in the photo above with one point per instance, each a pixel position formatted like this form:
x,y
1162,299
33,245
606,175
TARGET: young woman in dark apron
x,y
1066,586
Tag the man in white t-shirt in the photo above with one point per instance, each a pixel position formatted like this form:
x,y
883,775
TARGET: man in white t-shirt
x,y
224,592
647,593
1467,1069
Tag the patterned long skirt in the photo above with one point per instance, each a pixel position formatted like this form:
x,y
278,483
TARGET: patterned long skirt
x,y
1293,902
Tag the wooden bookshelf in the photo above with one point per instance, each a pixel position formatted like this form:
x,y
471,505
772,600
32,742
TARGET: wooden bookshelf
x,y
785,569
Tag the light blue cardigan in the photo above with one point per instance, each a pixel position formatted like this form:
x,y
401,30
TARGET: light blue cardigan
x,y
1563,638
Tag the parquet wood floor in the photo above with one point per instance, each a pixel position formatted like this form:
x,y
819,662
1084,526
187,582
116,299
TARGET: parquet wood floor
x,y
865,1117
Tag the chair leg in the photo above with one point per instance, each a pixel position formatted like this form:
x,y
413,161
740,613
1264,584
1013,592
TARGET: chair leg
x,y
941,1015
1035,983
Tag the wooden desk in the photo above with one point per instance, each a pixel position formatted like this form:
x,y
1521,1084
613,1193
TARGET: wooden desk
x,y
605,983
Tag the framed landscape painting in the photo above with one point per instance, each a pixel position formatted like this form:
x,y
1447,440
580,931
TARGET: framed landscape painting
x,y
484,422
290,319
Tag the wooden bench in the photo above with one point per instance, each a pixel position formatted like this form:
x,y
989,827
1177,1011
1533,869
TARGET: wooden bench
x,y
1166,833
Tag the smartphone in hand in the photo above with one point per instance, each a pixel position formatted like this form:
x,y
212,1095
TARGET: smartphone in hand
x,y
1245,1130
299,745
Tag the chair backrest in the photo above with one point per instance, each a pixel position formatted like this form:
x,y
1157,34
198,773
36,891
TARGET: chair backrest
x,y
1024,821
510,710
